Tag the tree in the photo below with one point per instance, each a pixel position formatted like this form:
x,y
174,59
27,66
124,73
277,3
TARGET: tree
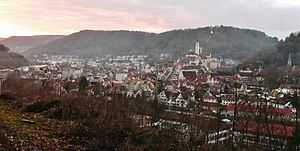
x,y
294,101
279,56
3,48
67,86
83,84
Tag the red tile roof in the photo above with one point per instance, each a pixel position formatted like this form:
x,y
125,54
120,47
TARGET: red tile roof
x,y
265,128
181,64
242,107
280,111
189,75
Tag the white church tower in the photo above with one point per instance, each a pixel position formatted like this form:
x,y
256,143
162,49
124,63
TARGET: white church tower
x,y
198,49
289,62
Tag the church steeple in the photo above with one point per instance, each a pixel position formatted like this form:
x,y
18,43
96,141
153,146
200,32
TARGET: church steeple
x,y
198,49
289,62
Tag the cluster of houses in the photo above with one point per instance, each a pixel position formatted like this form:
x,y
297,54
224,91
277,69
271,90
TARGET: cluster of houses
x,y
196,80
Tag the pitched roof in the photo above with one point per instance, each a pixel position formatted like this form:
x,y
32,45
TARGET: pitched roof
x,y
280,111
190,75
242,107
265,128
179,64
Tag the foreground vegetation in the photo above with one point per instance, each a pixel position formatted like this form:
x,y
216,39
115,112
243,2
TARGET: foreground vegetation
x,y
81,120
77,121
41,135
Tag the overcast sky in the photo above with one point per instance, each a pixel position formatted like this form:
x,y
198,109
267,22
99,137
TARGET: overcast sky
x,y
31,17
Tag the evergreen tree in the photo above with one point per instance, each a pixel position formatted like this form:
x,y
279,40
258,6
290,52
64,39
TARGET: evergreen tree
x,y
83,84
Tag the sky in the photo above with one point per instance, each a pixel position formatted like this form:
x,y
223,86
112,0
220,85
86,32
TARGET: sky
x,y
42,17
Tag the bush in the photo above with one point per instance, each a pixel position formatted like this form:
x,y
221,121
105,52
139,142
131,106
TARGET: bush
x,y
54,113
40,106
7,95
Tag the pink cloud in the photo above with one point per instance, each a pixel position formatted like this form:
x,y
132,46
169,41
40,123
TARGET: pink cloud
x,y
59,16
67,16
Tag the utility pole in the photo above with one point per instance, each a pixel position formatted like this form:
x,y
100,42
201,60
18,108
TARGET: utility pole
x,y
234,111
1,83
219,100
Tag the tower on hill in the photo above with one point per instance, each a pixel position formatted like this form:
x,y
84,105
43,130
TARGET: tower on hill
x,y
198,49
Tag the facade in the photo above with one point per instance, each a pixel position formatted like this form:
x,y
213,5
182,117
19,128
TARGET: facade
x,y
172,99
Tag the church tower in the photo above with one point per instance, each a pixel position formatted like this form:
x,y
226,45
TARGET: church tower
x,y
289,62
198,49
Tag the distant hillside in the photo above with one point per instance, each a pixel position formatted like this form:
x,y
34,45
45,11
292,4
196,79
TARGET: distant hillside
x,y
290,45
10,59
279,54
220,40
22,43
90,43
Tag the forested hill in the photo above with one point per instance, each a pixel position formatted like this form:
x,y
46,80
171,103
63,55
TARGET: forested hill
x,y
22,43
90,43
220,40
278,56
10,59
290,45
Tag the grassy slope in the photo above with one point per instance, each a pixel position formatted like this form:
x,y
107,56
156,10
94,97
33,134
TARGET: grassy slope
x,y
43,135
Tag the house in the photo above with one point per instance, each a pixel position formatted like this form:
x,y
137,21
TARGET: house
x,y
121,76
210,99
240,109
172,99
212,81
269,133
147,68
218,131
194,60
280,114
214,63
227,99
70,72
180,65
188,75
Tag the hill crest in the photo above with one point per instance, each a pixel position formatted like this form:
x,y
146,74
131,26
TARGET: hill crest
x,y
220,40
21,44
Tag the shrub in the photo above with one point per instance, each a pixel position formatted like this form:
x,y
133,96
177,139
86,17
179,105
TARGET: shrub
x,y
40,106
